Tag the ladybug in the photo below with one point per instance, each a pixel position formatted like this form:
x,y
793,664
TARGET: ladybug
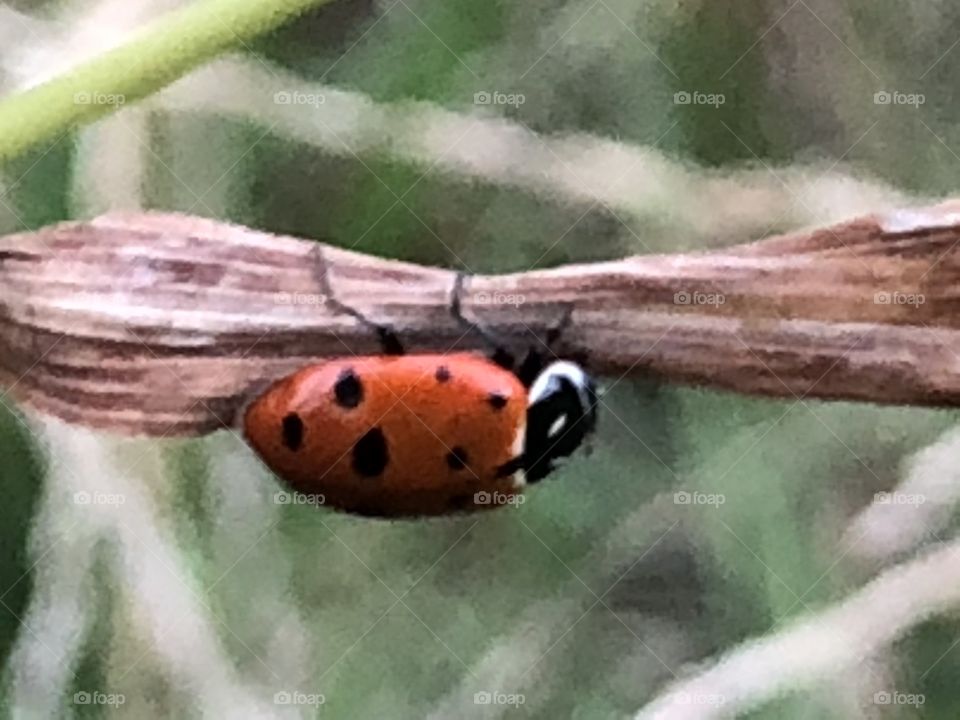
x,y
399,435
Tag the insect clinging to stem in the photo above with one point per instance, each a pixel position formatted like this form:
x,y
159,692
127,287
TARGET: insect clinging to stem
x,y
398,435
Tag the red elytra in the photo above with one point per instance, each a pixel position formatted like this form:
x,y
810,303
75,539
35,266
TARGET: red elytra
x,y
395,436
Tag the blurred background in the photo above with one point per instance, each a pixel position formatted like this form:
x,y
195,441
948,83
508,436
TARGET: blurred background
x,y
489,137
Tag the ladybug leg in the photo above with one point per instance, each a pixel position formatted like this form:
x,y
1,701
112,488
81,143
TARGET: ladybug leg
x,y
532,365
504,358
500,355
537,359
389,342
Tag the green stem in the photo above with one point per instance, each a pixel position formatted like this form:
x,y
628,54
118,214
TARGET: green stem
x,y
163,52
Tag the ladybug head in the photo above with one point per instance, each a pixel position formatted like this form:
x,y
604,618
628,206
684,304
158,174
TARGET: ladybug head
x,y
561,414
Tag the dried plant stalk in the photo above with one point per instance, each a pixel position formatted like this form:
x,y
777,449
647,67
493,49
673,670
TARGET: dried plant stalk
x,y
165,324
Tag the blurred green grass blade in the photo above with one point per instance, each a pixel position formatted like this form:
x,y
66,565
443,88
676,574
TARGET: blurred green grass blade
x,y
163,52
21,484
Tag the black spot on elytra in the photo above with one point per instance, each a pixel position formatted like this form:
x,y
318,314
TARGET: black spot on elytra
x,y
292,431
370,456
443,374
457,458
497,401
348,390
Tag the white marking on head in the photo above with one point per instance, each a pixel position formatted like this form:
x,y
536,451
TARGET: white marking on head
x,y
548,382
557,426
519,477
